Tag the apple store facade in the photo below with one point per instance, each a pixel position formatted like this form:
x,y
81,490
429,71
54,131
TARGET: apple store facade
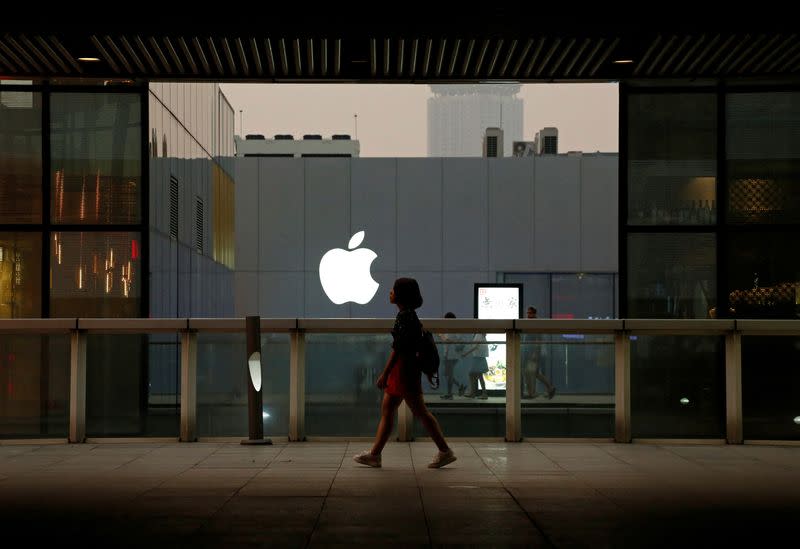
x,y
548,222
326,238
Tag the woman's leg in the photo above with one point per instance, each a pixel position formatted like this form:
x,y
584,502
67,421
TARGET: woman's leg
x,y
388,409
418,408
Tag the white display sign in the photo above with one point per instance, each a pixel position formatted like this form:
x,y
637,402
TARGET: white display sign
x,y
497,302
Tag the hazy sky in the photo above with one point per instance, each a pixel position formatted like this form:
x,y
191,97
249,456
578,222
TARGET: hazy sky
x,y
392,118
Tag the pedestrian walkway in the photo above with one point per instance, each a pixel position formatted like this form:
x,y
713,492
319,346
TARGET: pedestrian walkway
x,y
313,495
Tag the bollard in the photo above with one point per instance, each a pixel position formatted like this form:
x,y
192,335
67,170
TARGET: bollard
x,y
255,410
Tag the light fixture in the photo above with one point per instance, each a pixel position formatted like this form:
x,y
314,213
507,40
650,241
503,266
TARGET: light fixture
x,y
264,415
622,61
2,254
684,401
89,59
797,420
254,365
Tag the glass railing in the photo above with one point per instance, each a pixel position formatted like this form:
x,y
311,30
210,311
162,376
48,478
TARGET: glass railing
x,y
188,379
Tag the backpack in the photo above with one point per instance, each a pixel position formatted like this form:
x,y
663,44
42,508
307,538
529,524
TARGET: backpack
x,y
428,357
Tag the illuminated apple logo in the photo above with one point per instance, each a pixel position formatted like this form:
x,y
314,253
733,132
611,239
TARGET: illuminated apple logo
x,y
345,276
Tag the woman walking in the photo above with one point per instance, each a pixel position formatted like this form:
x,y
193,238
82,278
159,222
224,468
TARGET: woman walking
x,y
400,379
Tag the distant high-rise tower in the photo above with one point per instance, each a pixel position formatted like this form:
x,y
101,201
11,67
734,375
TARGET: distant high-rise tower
x,y
458,116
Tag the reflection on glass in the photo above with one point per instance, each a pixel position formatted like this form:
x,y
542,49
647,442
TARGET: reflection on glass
x,y
20,157
341,370
96,158
665,370
20,275
763,157
764,275
567,385
34,376
129,387
672,159
95,274
671,275
471,397
583,295
771,387
222,374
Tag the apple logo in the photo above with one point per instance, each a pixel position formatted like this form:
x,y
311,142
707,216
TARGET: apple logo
x,y
345,276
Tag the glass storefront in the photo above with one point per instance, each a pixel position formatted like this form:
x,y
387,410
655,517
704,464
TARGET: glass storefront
x,y
738,262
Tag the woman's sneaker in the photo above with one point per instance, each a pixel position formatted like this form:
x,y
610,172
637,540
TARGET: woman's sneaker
x,y
367,458
441,459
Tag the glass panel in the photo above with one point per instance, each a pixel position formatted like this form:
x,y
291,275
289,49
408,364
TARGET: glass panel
x,y
131,385
764,275
567,385
34,385
672,165
671,275
771,388
677,387
95,274
535,291
20,157
477,386
583,296
222,375
763,154
20,275
341,369
96,158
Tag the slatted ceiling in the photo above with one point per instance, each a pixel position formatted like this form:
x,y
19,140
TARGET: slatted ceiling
x,y
270,57
402,57
324,56
159,54
386,53
283,56
173,55
188,54
771,55
400,54
427,62
465,67
310,52
32,48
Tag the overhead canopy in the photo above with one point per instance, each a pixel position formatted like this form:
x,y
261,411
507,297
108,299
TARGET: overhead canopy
x,y
416,45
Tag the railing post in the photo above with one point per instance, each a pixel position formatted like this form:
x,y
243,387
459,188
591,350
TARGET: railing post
x,y
513,387
255,401
733,388
622,386
77,387
188,386
297,386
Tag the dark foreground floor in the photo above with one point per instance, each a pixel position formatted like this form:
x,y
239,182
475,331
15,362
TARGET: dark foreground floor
x,y
313,494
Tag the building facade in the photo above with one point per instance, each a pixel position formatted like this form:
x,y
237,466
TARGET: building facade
x,y
114,202
447,222
710,209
